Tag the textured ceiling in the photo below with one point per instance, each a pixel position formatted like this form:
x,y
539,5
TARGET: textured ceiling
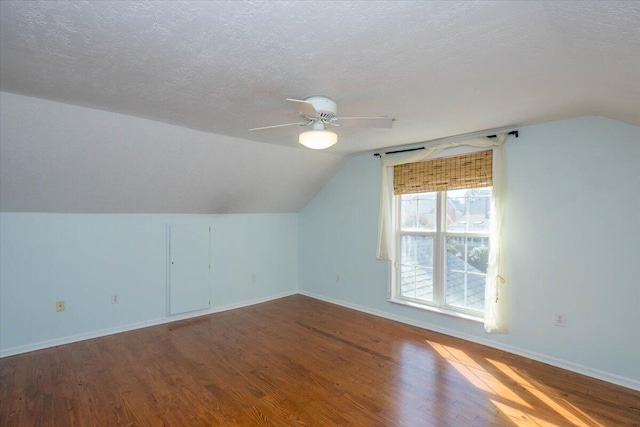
x,y
439,68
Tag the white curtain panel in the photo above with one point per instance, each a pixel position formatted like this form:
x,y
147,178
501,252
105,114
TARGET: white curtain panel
x,y
495,309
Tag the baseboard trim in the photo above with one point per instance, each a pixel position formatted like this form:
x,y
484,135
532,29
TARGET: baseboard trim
x,y
540,357
12,351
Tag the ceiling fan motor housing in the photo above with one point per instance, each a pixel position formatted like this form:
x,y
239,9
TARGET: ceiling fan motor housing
x,y
326,108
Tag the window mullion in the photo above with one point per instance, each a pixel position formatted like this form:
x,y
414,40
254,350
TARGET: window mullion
x,y
439,245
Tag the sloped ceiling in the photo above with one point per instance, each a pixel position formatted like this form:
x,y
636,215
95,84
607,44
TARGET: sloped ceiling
x,y
439,68
69,159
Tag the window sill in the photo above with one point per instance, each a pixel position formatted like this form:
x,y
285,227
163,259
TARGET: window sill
x,y
463,316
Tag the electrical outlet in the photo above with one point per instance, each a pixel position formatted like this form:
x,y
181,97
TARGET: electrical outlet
x,y
115,299
59,305
560,320
337,278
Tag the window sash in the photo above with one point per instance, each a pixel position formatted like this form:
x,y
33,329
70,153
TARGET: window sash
x,y
467,274
439,262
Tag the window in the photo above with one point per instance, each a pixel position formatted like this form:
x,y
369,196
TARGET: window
x,y
442,239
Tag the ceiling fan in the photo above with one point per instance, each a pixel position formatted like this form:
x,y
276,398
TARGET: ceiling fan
x,y
319,112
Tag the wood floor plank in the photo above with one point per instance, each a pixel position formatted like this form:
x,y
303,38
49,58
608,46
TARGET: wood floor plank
x,y
297,361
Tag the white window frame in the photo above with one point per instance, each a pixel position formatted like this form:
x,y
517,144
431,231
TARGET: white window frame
x,y
438,304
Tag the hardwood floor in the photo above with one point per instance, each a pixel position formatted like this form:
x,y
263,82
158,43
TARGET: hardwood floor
x,y
297,362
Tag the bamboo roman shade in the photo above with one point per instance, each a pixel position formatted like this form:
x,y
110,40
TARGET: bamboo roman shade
x,y
471,170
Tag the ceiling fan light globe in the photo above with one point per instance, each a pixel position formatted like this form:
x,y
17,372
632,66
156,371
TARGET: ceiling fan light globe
x,y
318,139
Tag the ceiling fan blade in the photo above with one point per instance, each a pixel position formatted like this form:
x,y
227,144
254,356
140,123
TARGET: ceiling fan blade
x,y
365,122
306,108
280,126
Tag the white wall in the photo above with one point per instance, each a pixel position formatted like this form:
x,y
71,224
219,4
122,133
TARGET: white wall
x,y
84,258
573,244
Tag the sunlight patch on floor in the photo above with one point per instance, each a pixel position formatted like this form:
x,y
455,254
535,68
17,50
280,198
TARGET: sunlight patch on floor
x,y
521,412
550,398
521,418
476,375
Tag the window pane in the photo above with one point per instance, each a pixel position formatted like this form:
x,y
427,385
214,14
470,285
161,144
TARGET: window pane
x,y
418,212
416,267
408,215
469,210
467,259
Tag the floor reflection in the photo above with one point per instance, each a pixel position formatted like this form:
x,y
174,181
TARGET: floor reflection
x,y
425,397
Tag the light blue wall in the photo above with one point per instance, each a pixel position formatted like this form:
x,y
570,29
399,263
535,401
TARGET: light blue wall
x,y
83,259
573,240
264,245
573,244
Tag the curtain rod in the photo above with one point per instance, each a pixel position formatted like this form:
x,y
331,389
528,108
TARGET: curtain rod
x,y
513,132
